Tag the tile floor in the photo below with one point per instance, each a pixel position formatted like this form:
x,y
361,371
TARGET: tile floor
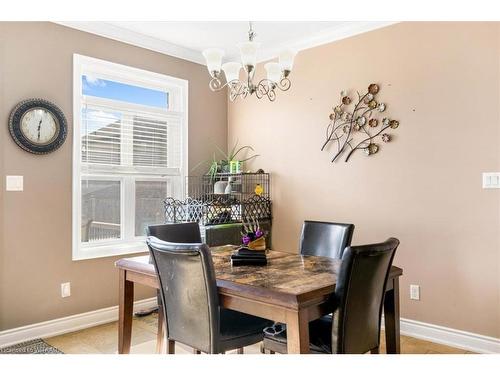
x,y
104,338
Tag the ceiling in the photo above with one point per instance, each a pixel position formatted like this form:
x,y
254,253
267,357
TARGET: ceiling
x,y
188,39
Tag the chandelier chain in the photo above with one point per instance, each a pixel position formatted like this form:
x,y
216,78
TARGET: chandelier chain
x,y
251,34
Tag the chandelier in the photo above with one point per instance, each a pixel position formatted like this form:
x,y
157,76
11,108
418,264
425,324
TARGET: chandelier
x,y
277,72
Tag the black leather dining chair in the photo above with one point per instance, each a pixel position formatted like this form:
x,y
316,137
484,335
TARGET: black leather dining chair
x,y
322,238
354,326
179,233
325,239
176,232
189,292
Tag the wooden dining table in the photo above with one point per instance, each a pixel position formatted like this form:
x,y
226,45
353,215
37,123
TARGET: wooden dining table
x,y
292,289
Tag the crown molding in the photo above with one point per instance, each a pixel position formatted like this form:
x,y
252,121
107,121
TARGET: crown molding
x,y
134,38
111,31
343,31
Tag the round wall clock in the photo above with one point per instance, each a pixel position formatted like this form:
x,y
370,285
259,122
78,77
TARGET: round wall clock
x,y
38,126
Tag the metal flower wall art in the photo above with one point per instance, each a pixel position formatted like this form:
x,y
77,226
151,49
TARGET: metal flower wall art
x,y
359,128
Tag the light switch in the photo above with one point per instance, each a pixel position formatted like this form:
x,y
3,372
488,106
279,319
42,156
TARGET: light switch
x,y
14,183
491,180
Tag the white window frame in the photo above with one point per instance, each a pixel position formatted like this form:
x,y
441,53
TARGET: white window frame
x,y
178,105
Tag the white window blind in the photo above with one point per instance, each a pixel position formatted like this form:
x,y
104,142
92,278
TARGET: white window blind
x,y
131,141
129,154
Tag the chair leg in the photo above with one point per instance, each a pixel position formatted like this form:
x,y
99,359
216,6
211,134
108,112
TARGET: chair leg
x,y
263,350
171,347
239,351
160,335
196,351
375,351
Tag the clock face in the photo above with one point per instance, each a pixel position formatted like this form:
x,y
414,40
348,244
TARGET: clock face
x,y
39,126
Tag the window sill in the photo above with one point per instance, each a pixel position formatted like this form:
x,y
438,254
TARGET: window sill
x,y
105,251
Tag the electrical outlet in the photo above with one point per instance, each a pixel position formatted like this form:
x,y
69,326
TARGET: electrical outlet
x,y
415,292
65,290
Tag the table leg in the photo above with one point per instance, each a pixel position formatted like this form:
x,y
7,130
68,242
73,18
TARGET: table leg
x,y
125,308
297,330
160,335
391,315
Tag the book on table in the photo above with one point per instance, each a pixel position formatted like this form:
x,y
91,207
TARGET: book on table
x,y
246,256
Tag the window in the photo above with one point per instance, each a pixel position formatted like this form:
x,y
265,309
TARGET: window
x,y
129,154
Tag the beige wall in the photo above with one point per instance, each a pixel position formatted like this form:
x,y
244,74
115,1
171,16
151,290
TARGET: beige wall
x,y
441,80
35,225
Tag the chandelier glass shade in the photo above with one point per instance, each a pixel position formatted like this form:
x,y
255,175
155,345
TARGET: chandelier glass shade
x,y
277,72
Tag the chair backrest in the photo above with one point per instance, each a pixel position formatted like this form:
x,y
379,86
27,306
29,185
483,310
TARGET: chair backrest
x,y
178,232
189,293
359,296
325,239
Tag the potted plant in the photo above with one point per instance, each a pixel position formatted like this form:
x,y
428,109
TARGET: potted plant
x,y
222,164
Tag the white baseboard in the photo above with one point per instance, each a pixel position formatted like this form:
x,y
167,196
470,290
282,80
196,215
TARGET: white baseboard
x,y
67,324
449,336
425,331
